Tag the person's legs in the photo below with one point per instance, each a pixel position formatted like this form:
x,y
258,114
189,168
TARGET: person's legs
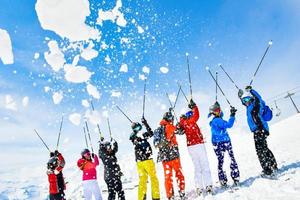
x,y
110,189
168,172
179,175
87,192
150,168
235,173
204,165
143,177
96,190
194,153
219,151
119,188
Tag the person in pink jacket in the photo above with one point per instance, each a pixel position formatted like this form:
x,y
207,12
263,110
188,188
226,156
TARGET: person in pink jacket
x,y
88,163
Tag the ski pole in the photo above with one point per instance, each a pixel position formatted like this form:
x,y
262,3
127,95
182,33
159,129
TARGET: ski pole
x,y
42,140
86,142
59,133
89,135
144,99
182,92
177,97
207,68
229,77
216,86
269,45
172,107
124,113
189,73
98,126
110,134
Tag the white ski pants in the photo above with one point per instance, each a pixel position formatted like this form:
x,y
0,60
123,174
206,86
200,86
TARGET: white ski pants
x,y
201,165
91,188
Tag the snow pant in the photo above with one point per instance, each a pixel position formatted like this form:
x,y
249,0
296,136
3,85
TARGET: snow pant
x,y
169,166
265,155
114,186
201,165
58,196
147,168
220,148
91,188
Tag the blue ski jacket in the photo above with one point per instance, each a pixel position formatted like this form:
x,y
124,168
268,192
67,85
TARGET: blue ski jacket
x,y
219,129
255,112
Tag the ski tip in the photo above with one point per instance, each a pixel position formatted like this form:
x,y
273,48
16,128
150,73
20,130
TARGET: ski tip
x,y
207,68
271,42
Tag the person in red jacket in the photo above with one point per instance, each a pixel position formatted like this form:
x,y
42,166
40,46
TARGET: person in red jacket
x,y
55,166
196,148
88,163
169,155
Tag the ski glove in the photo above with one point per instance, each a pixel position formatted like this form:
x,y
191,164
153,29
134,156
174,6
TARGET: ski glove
x,y
232,111
248,88
192,104
93,155
56,153
144,121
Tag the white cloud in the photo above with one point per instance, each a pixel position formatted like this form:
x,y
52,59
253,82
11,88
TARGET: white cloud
x,y
89,53
124,68
57,97
76,74
10,103
55,58
164,70
115,93
66,18
114,15
85,103
146,70
75,118
6,53
25,101
92,90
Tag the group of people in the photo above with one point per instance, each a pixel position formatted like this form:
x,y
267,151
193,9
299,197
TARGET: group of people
x,y
164,139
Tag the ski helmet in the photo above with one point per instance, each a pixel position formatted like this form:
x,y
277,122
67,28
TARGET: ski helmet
x,y
136,126
107,145
214,109
84,151
52,163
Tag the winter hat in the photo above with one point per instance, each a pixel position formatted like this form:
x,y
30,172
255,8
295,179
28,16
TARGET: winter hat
x,y
136,126
214,109
168,116
52,163
84,151
107,145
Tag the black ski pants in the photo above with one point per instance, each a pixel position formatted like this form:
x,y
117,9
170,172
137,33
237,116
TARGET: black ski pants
x,y
58,196
265,155
114,186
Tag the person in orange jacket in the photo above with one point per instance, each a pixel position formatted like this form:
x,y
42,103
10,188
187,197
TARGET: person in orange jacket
x,y
169,155
57,185
196,149
88,163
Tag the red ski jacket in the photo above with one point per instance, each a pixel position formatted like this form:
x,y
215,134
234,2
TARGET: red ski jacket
x,y
191,129
89,168
169,131
53,183
55,177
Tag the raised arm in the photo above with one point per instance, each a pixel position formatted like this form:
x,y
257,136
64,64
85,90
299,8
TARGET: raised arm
x,y
149,132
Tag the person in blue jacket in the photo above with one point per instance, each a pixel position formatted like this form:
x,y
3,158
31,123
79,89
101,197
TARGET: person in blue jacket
x,y
222,143
259,126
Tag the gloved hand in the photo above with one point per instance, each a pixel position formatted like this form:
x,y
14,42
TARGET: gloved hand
x,y
52,154
56,153
143,120
248,88
101,138
132,136
232,111
93,155
240,93
192,104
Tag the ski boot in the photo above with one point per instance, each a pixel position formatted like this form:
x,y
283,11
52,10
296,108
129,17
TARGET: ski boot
x,y
199,191
182,195
223,184
209,189
236,182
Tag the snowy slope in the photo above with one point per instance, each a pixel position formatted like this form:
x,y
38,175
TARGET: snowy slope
x,y
30,182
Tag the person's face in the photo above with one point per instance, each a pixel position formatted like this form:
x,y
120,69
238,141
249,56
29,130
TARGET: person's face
x,y
87,155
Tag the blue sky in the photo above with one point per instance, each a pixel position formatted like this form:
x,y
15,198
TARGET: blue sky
x,y
234,33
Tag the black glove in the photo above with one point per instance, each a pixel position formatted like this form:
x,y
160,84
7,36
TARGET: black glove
x,y
191,104
93,155
248,88
144,121
56,153
101,139
232,111
52,154
132,136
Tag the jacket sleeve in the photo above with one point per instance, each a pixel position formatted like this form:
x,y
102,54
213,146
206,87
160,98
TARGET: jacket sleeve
x,y
81,163
225,124
61,161
195,116
115,147
96,160
149,132
255,95
101,150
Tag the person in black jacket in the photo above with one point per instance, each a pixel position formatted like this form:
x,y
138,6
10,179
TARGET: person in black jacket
x,y
112,170
143,157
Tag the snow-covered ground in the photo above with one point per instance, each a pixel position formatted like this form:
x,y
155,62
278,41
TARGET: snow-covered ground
x,y
30,182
